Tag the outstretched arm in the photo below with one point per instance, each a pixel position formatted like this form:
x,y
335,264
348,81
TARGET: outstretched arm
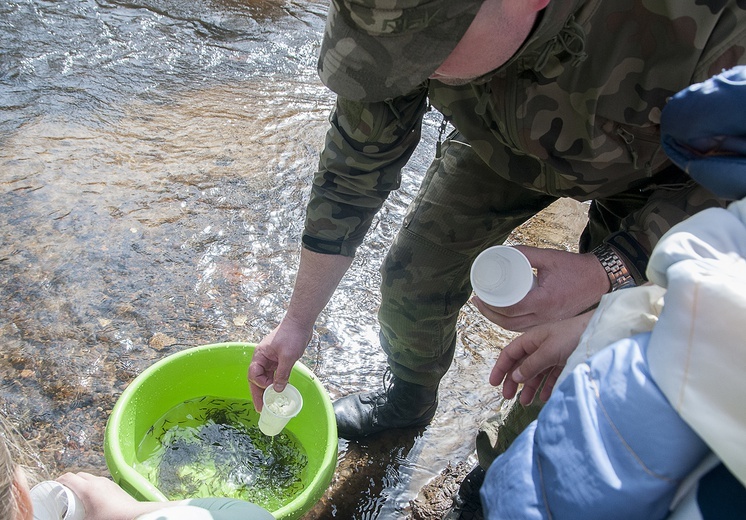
x,y
317,278
105,500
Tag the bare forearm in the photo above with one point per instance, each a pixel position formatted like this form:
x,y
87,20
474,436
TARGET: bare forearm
x,y
317,279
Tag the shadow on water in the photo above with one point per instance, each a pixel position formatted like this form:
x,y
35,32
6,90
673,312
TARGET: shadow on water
x,y
155,161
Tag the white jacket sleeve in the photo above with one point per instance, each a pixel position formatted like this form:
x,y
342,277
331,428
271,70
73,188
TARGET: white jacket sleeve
x,y
697,351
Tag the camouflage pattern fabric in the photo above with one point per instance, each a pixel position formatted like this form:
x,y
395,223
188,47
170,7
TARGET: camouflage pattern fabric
x,y
378,49
574,114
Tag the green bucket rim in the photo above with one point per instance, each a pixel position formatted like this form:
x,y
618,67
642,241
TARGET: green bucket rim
x,y
122,471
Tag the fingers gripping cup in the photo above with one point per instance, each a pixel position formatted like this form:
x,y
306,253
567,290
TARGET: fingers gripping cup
x,y
279,408
502,276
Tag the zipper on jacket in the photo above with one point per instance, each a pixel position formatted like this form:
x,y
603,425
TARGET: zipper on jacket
x,y
628,139
570,39
395,111
441,131
483,100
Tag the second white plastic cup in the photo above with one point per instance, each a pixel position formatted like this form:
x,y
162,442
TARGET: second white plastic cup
x,y
502,276
53,501
279,408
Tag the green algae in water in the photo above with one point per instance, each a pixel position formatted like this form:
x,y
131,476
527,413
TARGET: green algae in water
x,y
212,447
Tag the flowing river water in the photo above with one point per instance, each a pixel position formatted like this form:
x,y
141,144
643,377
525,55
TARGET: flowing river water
x,y
155,161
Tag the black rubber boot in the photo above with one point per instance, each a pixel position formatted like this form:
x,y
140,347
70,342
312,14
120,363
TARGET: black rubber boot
x,y
398,405
468,502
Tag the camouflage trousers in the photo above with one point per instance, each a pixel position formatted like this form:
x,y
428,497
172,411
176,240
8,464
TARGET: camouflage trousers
x,y
462,207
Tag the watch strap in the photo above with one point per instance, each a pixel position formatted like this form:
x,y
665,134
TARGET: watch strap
x,y
616,270
635,256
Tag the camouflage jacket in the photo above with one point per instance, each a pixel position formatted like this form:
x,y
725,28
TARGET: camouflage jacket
x,y
582,96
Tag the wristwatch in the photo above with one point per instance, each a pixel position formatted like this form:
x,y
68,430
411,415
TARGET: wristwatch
x,y
619,275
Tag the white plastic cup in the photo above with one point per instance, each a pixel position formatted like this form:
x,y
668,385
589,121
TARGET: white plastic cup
x,y
502,276
53,501
279,408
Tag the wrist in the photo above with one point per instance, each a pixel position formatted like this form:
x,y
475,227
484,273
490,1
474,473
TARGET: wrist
x,y
302,322
617,272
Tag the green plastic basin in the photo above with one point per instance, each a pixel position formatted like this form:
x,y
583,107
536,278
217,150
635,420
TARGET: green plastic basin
x,y
218,370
